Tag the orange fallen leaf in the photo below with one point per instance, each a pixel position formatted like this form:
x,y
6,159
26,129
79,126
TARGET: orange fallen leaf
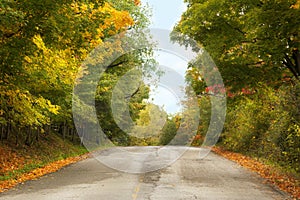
x,y
284,182
36,173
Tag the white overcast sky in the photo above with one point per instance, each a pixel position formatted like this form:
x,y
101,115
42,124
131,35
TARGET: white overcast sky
x,y
165,14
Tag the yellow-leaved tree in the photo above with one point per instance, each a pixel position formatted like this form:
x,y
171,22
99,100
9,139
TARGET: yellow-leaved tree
x,y
42,47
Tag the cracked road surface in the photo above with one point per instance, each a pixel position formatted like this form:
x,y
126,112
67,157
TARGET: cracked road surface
x,y
189,178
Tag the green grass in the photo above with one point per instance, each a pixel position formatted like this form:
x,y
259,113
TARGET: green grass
x,y
14,174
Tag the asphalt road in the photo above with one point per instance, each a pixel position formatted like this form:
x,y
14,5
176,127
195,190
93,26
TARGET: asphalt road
x,y
189,178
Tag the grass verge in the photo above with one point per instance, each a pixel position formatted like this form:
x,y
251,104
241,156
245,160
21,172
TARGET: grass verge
x,y
19,163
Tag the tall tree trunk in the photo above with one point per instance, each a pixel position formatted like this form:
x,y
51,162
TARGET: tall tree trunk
x,y
2,132
64,130
8,129
72,136
37,137
17,136
28,137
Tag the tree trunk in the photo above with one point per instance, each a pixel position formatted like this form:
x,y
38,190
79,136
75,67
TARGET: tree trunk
x,y
1,135
73,134
64,130
28,137
8,128
17,137
37,138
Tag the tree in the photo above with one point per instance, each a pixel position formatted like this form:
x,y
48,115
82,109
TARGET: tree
x,y
255,45
42,46
149,125
168,132
111,61
248,40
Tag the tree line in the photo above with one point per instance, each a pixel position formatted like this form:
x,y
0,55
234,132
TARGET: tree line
x,y
255,45
43,45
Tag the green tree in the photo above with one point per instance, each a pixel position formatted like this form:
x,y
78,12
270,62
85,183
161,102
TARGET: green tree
x,y
248,40
112,60
255,45
149,125
168,132
42,46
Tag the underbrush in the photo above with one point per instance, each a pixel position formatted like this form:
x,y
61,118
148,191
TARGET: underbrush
x,y
266,125
16,160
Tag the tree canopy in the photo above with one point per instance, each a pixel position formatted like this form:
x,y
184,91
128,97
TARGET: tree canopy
x,y
43,44
248,40
255,45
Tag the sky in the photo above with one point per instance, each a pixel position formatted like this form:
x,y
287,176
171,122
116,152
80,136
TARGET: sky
x,y
165,15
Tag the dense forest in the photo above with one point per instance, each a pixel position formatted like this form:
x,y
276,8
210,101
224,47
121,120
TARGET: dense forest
x,y
255,45
43,44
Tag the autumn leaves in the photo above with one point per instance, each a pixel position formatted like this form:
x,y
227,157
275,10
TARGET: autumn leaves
x,y
42,47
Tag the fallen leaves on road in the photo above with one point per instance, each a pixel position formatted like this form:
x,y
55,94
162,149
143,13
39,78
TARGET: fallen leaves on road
x,y
282,181
50,168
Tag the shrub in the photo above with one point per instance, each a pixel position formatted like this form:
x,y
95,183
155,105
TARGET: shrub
x,y
266,124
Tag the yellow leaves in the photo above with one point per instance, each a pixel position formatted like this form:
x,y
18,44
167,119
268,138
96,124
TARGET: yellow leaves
x,y
53,108
137,2
87,35
117,21
38,41
75,7
297,5
28,59
83,7
105,21
27,109
51,66
100,32
105,89
80,8
46,104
